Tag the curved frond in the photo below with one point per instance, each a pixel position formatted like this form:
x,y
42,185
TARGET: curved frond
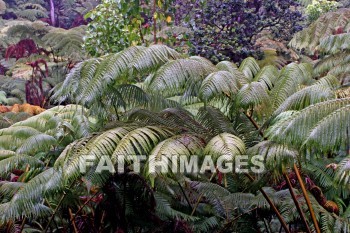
x,y
151,58
321,91
323,126
249,67
140,141
292,76
268,75
221,83
277,157
179,76
324,26
253,94
225,144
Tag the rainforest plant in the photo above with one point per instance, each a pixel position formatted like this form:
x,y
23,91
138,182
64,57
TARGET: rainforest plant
x,y
153,101
320,7
240,93
118,22
32,10
125,23
227,30
23,48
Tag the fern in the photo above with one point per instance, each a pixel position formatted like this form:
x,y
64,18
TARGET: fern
x,y
330,116
66,43
310,37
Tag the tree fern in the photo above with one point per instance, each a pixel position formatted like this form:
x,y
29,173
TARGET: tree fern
x,y
221,83
290,78
322,90
66,43
308,127
277,157
41,132
249,67
310,37
336,61
177,76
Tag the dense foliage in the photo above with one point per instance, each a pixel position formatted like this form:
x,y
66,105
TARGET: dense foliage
x,y
62,104
227,30
113,27
319,7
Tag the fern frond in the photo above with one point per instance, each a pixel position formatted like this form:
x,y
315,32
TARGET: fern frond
x,y
179,76
249,67
253,94
321,91
325,25
290,78
66,43
215,121
140,141
324,125
268,75
225,144
32,14
221,83
151,58
277,157
335,43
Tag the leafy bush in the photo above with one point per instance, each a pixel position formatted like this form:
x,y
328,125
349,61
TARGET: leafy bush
x,y
226,30
319,7
114,26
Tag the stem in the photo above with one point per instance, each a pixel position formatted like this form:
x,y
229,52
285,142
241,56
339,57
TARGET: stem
x,y
73,223
183,192
255,124
301,213
274,208
268,229
54,213
154,22
81,207
22,224
200,197
196,205
306,196
227,225
57,208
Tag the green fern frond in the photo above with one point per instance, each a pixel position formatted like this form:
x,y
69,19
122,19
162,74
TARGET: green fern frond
x,y
32,14
253,94
215,121
140,141
179,76
291,77
40,132
225,144
66,43
268,75
249,67
335,43
221,83
321,91
15,161
324,26
277,157
343,172
151,58
324,125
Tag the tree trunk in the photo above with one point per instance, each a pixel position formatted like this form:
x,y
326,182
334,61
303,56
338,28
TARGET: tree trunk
x,y
52,13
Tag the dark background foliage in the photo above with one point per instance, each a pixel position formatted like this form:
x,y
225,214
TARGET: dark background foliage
x,y
226,30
